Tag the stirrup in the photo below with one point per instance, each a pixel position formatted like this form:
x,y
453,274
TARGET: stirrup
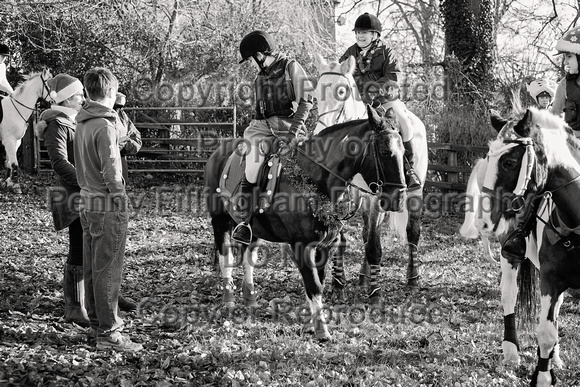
x,y
240,229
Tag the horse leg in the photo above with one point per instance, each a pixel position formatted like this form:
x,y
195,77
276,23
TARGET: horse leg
x,y
222,235
338,278
12,169
413,231
249,260
365,272
551,299
509,294
374,252
556,360
311,264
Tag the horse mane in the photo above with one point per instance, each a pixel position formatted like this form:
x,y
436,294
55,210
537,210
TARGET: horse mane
x,y
19,87
337,127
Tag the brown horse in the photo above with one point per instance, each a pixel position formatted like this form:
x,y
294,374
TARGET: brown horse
x,y
329,160
338,101
535,156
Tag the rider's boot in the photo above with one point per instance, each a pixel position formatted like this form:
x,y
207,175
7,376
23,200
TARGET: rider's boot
x,y
243,231
514,248
413,181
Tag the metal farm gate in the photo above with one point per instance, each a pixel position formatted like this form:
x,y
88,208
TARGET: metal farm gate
x,y
175,139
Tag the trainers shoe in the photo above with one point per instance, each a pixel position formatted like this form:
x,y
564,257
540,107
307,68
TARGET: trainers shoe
x,y
118,342
126,304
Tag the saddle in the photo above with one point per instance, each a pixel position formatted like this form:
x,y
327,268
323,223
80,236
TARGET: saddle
x,y
232,174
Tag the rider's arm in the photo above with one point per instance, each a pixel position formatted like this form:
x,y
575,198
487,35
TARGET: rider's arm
x,y
303,89
390,66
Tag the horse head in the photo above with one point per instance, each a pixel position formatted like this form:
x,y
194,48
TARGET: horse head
x,y
336,93
526,149
35,87
382,162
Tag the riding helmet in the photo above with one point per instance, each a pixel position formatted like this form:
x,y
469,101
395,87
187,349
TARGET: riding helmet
x,y
368,22
570,42
254,42
4,49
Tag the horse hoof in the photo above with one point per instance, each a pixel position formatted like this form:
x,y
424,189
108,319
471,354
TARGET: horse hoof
x,y
413,283
337,296
308,328
249,295
322,335
16,189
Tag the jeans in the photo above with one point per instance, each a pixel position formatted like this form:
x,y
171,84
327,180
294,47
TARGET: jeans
x,y
104,238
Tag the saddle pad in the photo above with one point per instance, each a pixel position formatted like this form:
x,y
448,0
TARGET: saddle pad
x,y
232,175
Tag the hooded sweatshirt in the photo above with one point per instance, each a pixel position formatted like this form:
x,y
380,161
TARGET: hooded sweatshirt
x,y
98,160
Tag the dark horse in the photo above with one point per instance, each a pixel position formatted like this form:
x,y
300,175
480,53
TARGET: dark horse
x,y
329,160
535,158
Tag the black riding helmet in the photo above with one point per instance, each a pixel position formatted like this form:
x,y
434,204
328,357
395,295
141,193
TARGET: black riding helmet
x,y
4,49
254,42
368,22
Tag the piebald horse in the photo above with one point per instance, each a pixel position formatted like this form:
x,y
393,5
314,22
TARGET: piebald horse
x,y
339,101
536,156
329,168
17,110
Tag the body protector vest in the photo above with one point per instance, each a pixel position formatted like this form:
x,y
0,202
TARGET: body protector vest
x,y
274,91
572,107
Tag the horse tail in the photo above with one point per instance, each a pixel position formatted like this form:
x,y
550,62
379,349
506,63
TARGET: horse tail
x,y
528,284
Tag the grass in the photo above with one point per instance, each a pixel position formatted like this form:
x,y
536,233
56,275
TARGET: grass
x,y
446,333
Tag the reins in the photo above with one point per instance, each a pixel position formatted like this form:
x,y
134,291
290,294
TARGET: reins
x,y
342,107
32,109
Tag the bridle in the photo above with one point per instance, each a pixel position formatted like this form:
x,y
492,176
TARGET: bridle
x,y
342,107
380,173
517,202
15,101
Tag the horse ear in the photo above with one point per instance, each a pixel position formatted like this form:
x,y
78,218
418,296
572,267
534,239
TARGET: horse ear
x,y
497,122
348,66
319,61
524,126
374,117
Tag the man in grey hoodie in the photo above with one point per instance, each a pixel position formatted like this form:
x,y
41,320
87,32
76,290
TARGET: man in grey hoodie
x,y
104,209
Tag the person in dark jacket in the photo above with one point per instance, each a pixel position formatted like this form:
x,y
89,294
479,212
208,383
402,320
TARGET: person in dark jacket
x,y
58,131
375,62
129,136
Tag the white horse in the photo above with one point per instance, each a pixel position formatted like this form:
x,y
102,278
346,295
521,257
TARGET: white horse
x,y
17,110
339,101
